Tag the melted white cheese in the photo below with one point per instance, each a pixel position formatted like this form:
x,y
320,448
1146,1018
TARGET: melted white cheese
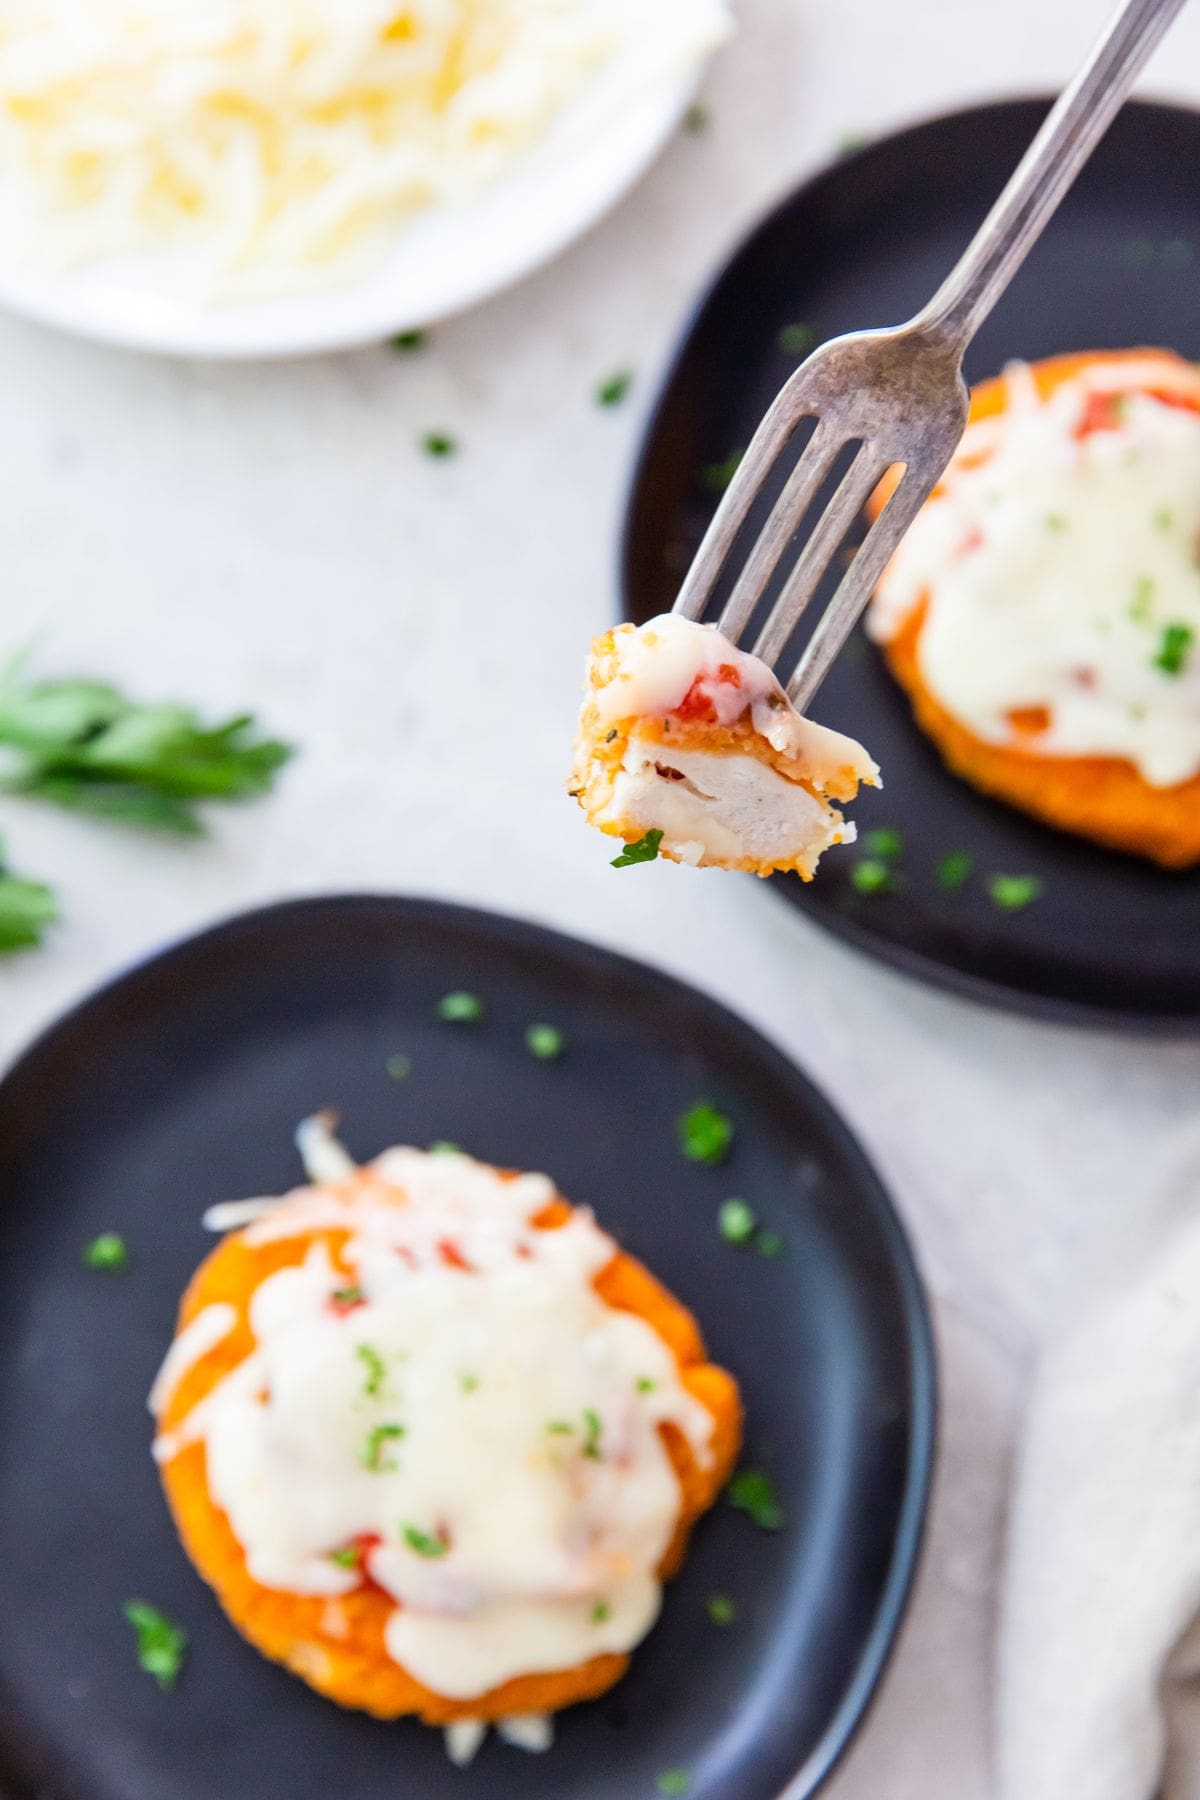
x,y
489,1433
1053,564
658,664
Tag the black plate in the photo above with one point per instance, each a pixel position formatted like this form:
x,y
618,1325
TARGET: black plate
x,y
1112,940
183,1082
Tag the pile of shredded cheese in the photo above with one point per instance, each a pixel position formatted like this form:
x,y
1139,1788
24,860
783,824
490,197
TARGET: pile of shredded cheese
x,y
285,139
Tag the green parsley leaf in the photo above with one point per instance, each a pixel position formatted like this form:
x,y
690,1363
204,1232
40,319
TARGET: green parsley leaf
x,y
600,1612
593,1428
753,1493
438,444
544,1041
161,1644
346,1296
1143,596
736,1221
696,119
1012,892
346,1557
468,1383
399,1067
1174,648
407,341
645,1384
26,908
371,1455
769,1244
644,850
705,1134
954,870
1055,521
720,1609
443,1147
108,1251
375,1366
716,476
423,1543
795,340
84,745
613,390
885,842
870,875
460,1009
1164,518
673,1782
560,1427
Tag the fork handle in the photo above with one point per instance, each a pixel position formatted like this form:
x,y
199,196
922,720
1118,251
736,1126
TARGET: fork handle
x,y
1070,132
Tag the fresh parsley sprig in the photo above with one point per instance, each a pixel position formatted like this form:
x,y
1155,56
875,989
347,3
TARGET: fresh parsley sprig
x,y
87,746
26,908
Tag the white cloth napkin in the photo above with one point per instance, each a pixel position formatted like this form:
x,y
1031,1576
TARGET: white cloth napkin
x,y
1099,1642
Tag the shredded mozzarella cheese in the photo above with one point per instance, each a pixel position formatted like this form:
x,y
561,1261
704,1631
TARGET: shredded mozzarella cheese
x,y
287,138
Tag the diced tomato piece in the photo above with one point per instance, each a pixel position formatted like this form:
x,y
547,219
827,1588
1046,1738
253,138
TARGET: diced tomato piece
x,y
728,674
452,1255
1101,412
697,704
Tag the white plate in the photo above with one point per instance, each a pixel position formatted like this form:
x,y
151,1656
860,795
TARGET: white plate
x,y
443,260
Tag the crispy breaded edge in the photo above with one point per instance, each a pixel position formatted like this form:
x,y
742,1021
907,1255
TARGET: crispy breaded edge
x,y
338,1646
1104,798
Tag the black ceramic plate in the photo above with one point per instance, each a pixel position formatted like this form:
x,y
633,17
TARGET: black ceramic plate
x,y
182,1083
865,243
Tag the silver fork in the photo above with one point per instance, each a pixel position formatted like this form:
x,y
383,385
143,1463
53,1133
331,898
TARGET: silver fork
x,y
899,393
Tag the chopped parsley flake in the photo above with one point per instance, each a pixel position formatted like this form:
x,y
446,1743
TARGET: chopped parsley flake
x,y
871,875
717,476
705,1134
371,1455
696,119
1055,521
1174,648
769,1244
954,870
399,1067
612,391
460,1009
673,1782
443,1147
560,1427
885,842
593,1427
601,1612
796,340
346,1296
1164,518
423,1543
644,850
407,340
436,443
1012,892
375,1366
108,1251
753,1493
161,1644
736,1221
645,1385
1143,594
544,1041
468,1383
346,1557
720,1609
